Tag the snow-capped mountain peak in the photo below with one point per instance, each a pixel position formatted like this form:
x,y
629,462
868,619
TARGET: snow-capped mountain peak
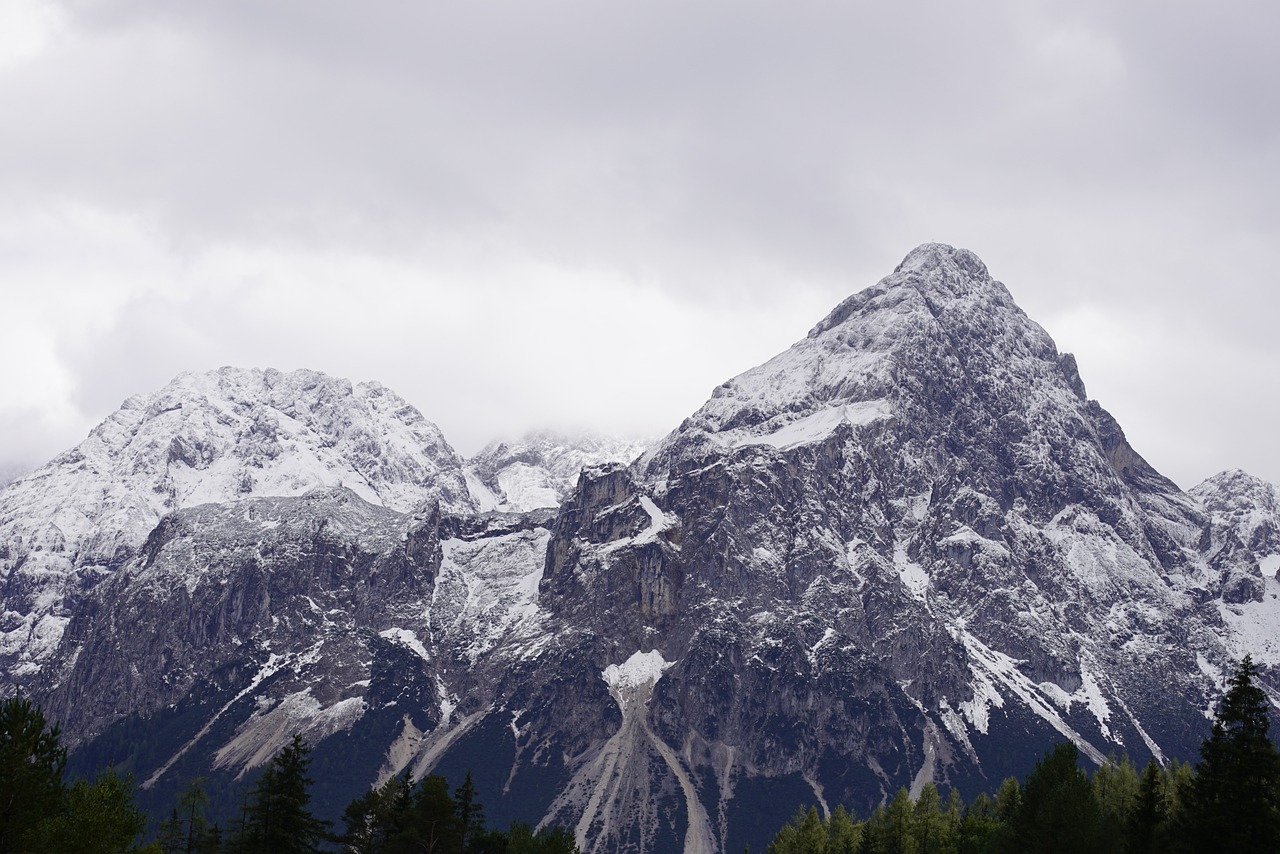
x,y
894,350
215,436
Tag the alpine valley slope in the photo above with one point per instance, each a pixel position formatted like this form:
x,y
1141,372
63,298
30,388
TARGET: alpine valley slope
x,y
909,548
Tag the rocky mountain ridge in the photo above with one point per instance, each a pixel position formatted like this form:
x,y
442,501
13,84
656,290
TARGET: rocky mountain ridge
x,y
540,469
909,548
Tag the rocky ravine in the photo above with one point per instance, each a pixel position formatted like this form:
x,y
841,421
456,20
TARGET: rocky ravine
x,y
907,549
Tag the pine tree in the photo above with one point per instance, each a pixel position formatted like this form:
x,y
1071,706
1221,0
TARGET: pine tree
x,y
811,835
1115,788
876,832
169,835
378,816
277,819
1058,812
929,829
1008,799
1143,830
31,765
1176,781
1004,809
431,822
953,817
1232,806
365,829
470,812
196,832
898,815
844,834
979,826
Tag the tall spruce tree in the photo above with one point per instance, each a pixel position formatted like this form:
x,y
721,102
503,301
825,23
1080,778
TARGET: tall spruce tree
x,y
930,828
1115,788
187,830
434,826
1058,812
980,826
277,819
378,816
470,813
1143,830
1234,803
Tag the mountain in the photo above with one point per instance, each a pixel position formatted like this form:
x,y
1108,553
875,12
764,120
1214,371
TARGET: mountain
x,y
215,437
907,549
540,469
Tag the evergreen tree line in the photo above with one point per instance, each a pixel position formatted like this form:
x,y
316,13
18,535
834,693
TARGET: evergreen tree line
x,y
39,812
1228,804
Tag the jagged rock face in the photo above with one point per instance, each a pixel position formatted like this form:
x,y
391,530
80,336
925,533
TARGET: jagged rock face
x,y
907,549
220,587
541,469
1243,546
204,438
381,634
1248,507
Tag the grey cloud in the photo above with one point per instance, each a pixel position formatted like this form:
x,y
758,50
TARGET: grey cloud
x,y
668,130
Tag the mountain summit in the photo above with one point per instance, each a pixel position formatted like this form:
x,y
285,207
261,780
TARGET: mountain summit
x,y
213,437
907,549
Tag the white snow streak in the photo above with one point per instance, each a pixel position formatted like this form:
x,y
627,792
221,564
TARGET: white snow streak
x,y
406,638
810,428
1001,668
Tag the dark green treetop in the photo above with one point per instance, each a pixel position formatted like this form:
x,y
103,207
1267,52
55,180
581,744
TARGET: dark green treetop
x,y
1234,802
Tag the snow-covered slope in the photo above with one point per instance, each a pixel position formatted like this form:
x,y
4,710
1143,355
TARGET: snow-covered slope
x,y
540,469
209,437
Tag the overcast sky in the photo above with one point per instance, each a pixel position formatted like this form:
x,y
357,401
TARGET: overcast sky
x,y
586,214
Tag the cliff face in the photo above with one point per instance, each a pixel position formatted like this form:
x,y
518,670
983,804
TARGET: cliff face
x,y
907,549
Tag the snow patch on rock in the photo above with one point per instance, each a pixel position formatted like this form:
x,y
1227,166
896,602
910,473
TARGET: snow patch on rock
x,y
1255,626
408,639
642,668
809,428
